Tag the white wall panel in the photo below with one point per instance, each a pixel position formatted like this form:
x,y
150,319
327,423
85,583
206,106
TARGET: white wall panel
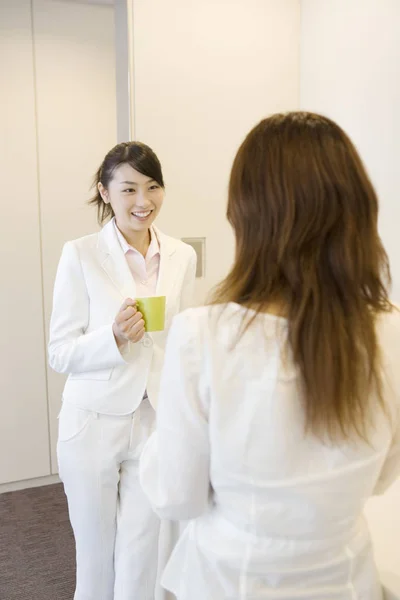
x,y
24,450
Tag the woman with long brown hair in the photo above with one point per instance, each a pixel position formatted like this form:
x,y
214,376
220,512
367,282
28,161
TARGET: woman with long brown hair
x,y
279,410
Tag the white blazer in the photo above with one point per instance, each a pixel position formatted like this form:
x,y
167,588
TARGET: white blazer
x,y
276,513
93,280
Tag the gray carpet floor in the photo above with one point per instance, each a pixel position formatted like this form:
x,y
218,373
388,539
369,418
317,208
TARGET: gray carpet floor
x,y
37,555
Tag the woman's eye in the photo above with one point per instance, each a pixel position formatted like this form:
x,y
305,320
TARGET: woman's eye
x,y
154,187
129,190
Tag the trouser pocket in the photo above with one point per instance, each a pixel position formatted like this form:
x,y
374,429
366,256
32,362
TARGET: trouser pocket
x,y
72,422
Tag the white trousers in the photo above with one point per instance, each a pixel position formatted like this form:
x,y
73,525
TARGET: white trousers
x,y
116,532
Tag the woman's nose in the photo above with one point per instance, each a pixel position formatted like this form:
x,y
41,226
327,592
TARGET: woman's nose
x,y
141,198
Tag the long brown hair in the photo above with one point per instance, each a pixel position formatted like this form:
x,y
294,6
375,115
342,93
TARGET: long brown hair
x,y
304,213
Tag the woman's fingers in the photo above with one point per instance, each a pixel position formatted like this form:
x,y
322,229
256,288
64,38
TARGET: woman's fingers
x,y
137,329
127,310
129,321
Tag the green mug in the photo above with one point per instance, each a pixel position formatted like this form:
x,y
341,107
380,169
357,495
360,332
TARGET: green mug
x,y
153,311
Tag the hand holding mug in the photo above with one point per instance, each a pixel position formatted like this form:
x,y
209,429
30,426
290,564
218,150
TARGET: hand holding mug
x,y
129,324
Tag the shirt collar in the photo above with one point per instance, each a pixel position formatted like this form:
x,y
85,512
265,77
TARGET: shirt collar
x,y
153,249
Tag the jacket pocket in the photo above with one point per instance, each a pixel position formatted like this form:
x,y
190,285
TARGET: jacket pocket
x,y
72,421
100,375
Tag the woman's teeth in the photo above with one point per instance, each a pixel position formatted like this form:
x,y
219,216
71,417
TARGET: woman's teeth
x,y
142,214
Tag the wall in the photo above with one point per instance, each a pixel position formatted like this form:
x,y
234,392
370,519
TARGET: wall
x,y
58,119
350,60
24,444
204,73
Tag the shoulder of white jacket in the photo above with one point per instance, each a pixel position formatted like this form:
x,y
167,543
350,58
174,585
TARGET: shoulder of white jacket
x,y
86,241
101,240
211,316
196,316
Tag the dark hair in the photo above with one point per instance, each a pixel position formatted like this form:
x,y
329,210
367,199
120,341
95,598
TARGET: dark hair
x,y
304,213
139,156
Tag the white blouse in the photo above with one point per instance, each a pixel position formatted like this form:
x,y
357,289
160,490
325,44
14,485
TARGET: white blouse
x,y
274,513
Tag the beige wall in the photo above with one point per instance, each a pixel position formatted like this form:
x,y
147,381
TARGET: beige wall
x,y
24,444
350,61
204,74
58,119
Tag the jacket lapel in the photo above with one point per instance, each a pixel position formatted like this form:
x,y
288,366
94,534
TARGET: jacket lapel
x,y
114,261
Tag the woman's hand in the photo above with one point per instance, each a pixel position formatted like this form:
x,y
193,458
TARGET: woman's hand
x,y
129,324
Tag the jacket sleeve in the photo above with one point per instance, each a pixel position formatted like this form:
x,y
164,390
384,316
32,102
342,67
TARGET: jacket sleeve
x,y
390,351
71,349
391,468
174,468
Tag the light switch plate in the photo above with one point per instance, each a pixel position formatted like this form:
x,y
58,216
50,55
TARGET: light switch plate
x,y
199,246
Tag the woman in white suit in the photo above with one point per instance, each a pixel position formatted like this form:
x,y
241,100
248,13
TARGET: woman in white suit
x,y
98,338
279,411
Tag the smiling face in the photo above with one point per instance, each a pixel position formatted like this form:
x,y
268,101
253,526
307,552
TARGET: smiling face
x,y
135,199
